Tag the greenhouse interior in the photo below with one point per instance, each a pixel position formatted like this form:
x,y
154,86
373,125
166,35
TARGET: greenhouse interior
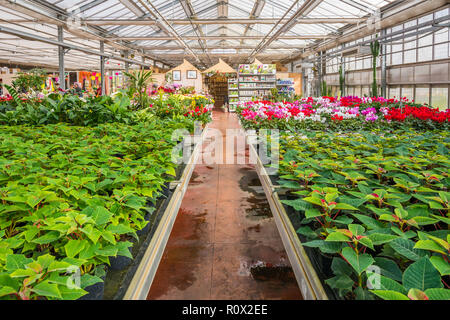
x,y
224,150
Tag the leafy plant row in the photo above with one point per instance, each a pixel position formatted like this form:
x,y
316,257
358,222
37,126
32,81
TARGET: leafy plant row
x,y
375,204
72,198
344,114
56,108
91,111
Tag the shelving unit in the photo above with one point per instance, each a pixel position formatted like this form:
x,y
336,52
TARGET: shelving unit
x,y
233,94
256,81
256,86
286,86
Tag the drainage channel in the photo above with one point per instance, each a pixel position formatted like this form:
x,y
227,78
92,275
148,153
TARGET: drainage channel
x,y
224,243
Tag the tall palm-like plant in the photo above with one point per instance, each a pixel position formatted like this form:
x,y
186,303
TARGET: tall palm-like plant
x,y
137,85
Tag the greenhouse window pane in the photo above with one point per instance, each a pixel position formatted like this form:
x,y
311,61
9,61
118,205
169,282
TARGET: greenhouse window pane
x,y
394,92
397,58
410,56
439,98
359,65
426,18
422,95
410,44
441,36
388,48
408,92
441,13
365,91
425,54
441,51
410,24
397,48
426,41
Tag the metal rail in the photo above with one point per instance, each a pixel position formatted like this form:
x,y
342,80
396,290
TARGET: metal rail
x,y
307,279
142,280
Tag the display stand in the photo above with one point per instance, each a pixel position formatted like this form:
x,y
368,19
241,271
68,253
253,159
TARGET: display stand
x,y
256,81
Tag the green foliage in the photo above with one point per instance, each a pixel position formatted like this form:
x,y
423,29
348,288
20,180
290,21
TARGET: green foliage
x,y
75,196
325,90
70,109
30,80
15,95
341,80
374,200
137,86
187,90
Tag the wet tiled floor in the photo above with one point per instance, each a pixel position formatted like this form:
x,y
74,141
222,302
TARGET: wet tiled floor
x,y
223,228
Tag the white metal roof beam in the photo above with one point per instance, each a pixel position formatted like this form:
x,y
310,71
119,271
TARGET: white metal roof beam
x,y
190,14
304,10
222,13
404,12
51,15
221,37
164,24
34,37
133,7
91,5
245,47
255,13
145,22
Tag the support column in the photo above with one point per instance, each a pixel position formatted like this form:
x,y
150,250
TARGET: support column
x,y
102,68
62,77
383,66
143,61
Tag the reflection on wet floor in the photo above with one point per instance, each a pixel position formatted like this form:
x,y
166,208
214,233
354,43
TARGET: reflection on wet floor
x,y
224,243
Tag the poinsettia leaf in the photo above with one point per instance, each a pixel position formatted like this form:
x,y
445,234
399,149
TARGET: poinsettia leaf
x,y
429,245
312,213
421,275
438,294
415,294
16,261
381,238
338,236
47,289
345,206
441,265
389,295
389,268
406,248
359,262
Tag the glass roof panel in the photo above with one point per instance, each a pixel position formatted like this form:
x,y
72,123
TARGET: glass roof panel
x,y
172,9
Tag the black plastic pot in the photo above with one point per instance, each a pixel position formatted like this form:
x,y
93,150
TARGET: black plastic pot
x,y
179,171
165,189
146,229
95,291
119,262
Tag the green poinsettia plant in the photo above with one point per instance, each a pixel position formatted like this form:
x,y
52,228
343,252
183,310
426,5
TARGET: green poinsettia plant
x,y
377,206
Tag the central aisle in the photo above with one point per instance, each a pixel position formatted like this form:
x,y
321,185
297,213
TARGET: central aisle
x,y
223,228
